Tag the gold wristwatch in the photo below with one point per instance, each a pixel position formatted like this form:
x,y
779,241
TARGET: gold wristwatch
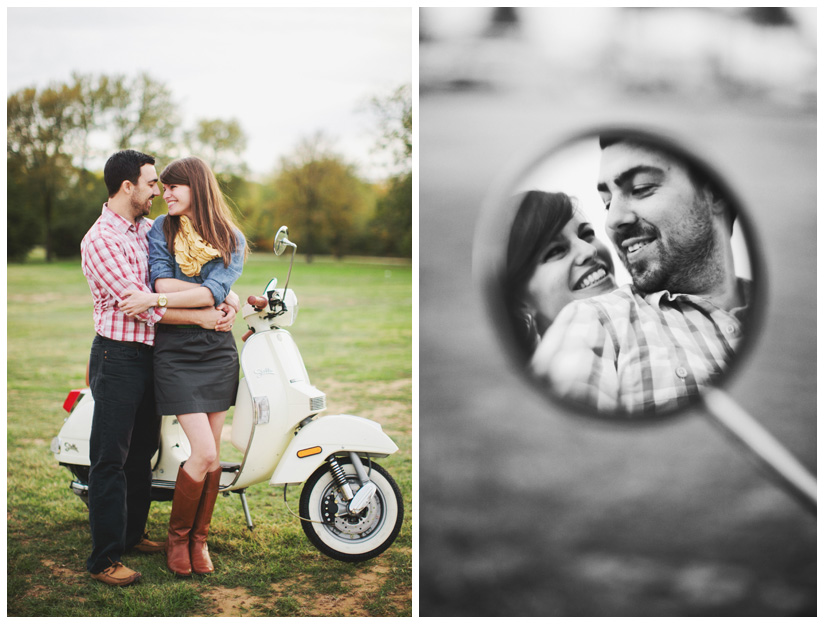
x,y
162,300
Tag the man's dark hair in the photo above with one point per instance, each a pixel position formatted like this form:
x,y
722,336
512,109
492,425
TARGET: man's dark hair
x,y
124,165
697,173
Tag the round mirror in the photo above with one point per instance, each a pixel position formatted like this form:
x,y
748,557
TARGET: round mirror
x,y
620,273
281,240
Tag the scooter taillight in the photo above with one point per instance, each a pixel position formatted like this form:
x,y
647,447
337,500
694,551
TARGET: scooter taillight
x,y
71,399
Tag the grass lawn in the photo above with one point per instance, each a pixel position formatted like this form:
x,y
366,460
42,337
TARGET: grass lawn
x,y
355,333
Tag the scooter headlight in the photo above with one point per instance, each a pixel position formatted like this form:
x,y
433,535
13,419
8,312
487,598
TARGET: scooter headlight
x,y
261,409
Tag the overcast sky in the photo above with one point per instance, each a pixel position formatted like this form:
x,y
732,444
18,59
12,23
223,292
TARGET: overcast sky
x,y
283,73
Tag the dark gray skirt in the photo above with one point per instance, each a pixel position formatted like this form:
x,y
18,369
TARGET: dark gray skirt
x,y
196,370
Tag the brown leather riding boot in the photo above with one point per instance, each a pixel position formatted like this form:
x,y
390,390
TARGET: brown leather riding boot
x,y
201,562
184,507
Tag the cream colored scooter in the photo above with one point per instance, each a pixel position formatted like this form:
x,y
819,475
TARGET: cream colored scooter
x,y
350,508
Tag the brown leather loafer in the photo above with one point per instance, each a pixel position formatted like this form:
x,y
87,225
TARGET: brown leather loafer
x,y
149,546
117,575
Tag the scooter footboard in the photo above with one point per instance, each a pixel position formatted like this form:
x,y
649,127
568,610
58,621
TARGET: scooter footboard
x,y
328,435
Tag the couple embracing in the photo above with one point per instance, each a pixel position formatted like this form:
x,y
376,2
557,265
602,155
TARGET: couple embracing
x,y
163,315
644,348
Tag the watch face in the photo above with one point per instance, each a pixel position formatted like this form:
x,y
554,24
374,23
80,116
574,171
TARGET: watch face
x,y
162,300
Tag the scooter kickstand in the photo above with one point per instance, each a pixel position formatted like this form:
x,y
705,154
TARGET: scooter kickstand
x,y
242,494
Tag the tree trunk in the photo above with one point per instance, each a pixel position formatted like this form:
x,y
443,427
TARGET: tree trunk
x,y
48,221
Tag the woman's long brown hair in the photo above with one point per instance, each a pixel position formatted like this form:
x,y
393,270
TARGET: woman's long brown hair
x,y
539,217
209,213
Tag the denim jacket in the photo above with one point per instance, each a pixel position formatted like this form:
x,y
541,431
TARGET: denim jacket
x,y
214,276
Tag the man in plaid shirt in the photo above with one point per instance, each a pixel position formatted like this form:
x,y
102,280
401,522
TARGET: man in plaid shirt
x,y
125,425
649,347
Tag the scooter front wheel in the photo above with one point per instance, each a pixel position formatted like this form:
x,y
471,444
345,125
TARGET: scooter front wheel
x,y
348,537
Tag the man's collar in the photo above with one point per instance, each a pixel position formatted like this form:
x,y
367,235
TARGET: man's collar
x,y
119,222
745,289
742,284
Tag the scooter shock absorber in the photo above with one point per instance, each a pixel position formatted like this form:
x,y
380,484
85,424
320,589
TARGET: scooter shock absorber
x,y
340,478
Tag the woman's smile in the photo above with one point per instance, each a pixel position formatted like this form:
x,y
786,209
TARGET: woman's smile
x,y
178,199
575,265
595,278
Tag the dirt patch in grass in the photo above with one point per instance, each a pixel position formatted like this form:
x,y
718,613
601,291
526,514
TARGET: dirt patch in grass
x,y
340,394
67,576
38,442
42,299
352,601
230,602
359,591
336,387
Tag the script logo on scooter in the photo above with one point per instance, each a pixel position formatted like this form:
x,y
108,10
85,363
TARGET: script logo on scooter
x,y
259,373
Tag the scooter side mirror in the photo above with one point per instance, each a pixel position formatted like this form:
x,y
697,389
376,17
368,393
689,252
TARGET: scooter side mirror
x,y
607,313
545,241
282,241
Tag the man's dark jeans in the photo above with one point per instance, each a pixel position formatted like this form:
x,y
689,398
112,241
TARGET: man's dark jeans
x,y
125,432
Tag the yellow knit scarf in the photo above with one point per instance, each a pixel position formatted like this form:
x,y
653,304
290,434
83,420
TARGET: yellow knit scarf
x,y
191,251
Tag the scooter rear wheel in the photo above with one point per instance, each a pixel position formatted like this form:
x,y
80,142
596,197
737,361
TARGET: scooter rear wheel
x,y
345,537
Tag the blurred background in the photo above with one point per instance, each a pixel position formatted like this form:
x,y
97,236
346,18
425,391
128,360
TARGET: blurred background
x,y
305,115
526,510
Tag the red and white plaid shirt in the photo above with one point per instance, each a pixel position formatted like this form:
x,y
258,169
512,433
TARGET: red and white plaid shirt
x,y
115,259
639,353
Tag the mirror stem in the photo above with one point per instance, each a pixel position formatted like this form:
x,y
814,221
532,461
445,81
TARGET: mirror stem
x,y
291,260
735,421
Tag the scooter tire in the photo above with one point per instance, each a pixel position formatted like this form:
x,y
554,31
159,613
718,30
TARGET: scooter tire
x,y
351,538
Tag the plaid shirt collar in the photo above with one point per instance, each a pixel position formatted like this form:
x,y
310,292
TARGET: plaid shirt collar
x,y
630,353
655,299
111,219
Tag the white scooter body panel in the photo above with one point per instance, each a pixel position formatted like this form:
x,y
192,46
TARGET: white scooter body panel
x,y
74,436
328,435
73,439
174,451
274,396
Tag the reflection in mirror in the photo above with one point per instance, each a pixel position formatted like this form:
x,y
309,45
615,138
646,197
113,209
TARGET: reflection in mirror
x,y
626,274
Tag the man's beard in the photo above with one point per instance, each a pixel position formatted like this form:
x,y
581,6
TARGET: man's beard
x,y
690,267
140,209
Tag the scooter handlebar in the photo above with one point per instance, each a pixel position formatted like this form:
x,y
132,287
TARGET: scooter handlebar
x,y
257,301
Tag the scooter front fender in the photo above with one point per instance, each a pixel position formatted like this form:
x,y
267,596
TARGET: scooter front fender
x,y
321,438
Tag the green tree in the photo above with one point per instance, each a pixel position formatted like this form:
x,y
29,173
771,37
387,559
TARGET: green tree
x,y
24,229
256,212
220,143
80,200
38,128
318,194
51,196
90,107
391,226
394,117
140,113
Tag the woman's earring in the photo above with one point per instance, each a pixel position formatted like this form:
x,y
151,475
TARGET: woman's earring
x,y
527,329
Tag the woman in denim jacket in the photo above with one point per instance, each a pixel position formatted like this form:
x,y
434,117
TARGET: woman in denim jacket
x,y
196,370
